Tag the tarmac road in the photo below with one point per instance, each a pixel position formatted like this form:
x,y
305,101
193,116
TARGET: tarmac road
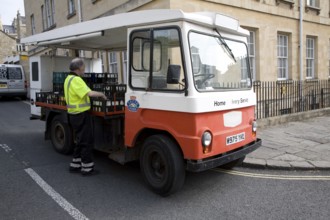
x,y
35,184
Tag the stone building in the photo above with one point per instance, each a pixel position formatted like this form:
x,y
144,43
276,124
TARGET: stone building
x,y
13,51
275,28
7,45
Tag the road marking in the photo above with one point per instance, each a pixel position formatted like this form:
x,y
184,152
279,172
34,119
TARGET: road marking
x,y
5,147
269,176
75,213
26,102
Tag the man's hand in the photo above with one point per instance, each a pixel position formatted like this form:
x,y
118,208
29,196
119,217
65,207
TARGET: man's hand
x,y
104,97
95,94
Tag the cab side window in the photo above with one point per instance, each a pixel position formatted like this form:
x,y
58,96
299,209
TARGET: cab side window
x,y
156,60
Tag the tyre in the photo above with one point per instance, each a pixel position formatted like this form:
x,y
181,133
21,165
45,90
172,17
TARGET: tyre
x,y
233,164
61,136
162,165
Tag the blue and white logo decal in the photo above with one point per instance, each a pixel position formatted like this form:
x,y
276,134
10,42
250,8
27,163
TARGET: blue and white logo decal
x,y
132,104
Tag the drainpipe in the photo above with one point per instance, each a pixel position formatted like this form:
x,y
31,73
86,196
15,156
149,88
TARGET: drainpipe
x,y
79,11
301,51
76,52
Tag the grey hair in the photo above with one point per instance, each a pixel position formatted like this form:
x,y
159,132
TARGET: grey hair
x,y
76,63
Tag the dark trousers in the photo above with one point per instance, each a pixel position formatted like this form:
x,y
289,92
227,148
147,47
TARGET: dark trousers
x,y
83,128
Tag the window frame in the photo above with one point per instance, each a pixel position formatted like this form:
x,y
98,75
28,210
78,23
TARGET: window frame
x,y
252,57
71,8
310,50
329,58
282,54
151,69
113,62
33,25
124,62
313,3
48,14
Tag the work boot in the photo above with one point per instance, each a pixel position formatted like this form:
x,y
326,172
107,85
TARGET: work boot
x,y
90,173
74,170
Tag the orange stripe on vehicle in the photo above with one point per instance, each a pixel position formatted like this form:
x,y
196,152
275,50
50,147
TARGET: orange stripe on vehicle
x,y
187,129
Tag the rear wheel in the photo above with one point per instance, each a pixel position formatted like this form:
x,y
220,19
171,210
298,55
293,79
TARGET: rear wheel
x,y
61,136
162,165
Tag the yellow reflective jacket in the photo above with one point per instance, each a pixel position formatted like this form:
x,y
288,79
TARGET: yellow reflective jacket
x,y
75,92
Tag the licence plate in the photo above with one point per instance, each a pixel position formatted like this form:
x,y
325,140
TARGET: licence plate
x,y
3,85
235,138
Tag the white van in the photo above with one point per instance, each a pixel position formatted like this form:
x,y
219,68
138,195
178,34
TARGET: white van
x,y
12,81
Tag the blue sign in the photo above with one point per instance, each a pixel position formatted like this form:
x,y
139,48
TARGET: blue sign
x,y
133,105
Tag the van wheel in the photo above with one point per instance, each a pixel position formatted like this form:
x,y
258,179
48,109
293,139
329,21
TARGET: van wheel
x,y
61,136
162,165
233,164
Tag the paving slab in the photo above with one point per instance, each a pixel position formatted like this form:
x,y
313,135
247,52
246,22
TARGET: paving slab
x,y
294,145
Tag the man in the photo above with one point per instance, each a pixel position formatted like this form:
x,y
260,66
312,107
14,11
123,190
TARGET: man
x,y
77,95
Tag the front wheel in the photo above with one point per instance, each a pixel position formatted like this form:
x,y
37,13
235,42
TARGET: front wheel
x,y
61,136
162,165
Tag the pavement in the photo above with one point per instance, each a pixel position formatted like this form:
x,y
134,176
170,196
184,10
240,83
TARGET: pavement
x,y
300,145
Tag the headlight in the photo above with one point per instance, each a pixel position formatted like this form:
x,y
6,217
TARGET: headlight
x,y
206,139
254,126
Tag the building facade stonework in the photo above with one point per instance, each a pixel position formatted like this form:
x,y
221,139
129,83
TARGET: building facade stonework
x,y
274,25
7,45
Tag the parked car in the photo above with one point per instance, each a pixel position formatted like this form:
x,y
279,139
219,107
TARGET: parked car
x,y
12,81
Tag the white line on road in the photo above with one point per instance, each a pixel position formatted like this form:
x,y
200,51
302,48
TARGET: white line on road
x,y
269,176
75,213
26,102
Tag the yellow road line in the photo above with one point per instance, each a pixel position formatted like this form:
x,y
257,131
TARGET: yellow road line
x,y
269,176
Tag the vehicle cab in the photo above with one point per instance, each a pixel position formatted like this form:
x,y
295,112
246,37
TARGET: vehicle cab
x,y
189,103
191,80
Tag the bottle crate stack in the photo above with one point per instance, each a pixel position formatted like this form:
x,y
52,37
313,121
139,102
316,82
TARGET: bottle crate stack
x,y
102,82
116,98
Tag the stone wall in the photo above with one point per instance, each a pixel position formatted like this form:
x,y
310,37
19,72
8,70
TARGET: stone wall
x,y
267,18
7,46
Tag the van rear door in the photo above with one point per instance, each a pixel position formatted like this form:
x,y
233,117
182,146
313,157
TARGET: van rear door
x,y
16,82
3,80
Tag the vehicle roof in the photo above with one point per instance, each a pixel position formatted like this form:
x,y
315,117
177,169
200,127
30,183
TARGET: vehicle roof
x,y
111,32
10,65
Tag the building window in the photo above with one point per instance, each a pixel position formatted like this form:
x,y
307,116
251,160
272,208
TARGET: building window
x,y
289,2
329,57
124,65
43,13
113,66
195,59
282,56
313,3
33,26
71,7
310,58
82,53
6,31
100,55
48,12
20,48
252,53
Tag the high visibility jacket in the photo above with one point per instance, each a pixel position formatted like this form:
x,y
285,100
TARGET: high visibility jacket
x,y
75,92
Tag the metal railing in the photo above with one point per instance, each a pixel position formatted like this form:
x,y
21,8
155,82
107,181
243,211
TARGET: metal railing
x,y
286,97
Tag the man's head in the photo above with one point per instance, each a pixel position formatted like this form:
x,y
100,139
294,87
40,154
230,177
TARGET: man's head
x,y
77,66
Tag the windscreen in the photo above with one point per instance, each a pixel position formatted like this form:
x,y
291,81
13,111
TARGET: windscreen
x,y
219,63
